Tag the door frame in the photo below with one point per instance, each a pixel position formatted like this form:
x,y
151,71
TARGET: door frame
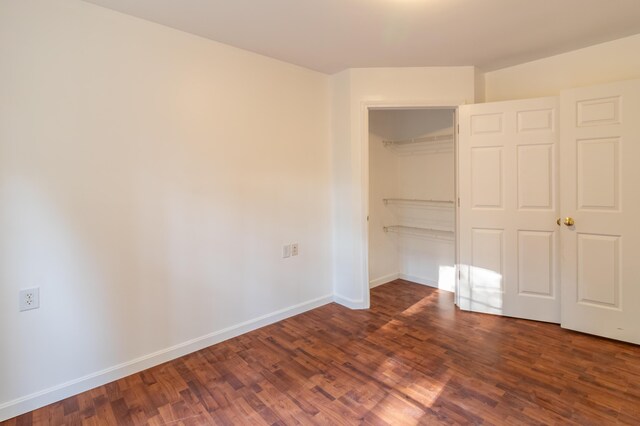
x,y
365,107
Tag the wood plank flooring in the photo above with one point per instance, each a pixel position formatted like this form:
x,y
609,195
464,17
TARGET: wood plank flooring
x,y
411,359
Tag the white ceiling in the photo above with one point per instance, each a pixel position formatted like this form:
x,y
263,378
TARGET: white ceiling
x,y
332,35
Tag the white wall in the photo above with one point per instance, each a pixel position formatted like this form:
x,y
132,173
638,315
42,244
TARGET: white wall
x,y
602,63
410,174
480,89
437,86
148,180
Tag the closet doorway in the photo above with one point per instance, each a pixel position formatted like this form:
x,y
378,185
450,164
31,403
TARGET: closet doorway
x,y
412,193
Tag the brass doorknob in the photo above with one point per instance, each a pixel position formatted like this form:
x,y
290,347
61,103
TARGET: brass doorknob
x,y
569,221
558,221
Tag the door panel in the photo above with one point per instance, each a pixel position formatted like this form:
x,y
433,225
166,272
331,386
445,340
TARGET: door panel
x,y
508,209
487,270
599,182
535,120
598,265
598,177
535,176
486,177
536,257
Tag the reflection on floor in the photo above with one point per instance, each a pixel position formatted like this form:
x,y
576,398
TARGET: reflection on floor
x,y
412,358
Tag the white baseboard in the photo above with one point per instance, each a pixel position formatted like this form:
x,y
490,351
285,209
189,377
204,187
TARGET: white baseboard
x,y
419,280
350,303
56,393
383,280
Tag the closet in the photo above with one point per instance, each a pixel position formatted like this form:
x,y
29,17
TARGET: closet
x,y
411,196
546,201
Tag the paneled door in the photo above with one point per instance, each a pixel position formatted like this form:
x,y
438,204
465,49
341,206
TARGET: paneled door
x,y
508,207
600,184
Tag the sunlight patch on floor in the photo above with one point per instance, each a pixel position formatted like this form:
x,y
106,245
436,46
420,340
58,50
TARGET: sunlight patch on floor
x,y
419,306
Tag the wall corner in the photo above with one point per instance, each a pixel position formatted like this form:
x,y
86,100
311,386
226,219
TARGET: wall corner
x,y
479,85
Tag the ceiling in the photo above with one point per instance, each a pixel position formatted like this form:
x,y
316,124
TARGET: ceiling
x,y
332,35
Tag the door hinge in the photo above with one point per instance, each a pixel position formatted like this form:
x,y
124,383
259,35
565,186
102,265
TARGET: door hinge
x,y
458,128
458,201
459,275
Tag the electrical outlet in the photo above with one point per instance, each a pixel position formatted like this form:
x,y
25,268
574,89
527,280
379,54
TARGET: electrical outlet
x,y
286,250
29,299
294,249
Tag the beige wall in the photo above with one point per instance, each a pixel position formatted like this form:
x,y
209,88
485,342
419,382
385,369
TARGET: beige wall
x,y
148,180
602,63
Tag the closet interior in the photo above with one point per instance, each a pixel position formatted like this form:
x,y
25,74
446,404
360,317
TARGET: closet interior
x,y
412,213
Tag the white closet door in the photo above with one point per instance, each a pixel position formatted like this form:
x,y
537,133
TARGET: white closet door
x,y
508,209
600,185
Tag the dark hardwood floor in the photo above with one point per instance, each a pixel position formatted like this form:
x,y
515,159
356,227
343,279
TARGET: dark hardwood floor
x,y
411,359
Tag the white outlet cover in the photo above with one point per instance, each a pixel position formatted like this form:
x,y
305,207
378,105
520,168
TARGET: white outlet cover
x,y
29,299
294,249
286,250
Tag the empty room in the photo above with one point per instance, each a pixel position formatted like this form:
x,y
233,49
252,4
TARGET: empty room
x,y
336,212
